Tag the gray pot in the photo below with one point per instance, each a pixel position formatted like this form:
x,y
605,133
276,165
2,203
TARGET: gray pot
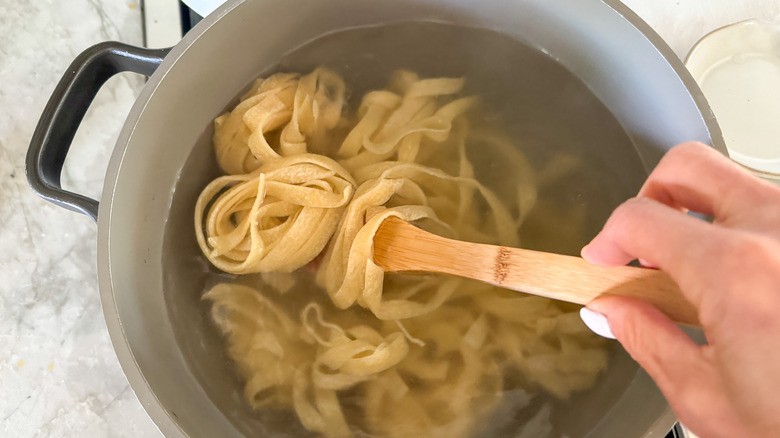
x,y
157,324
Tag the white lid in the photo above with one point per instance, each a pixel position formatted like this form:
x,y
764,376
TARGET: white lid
x,y
738,69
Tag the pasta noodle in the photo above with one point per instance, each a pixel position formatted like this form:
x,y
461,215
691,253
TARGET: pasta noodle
x,y
425,355
305,107
276,218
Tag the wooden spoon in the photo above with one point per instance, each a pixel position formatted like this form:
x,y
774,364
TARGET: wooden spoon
x,y
400,246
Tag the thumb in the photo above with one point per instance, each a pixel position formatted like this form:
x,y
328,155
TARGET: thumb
x,y
678,366
651,338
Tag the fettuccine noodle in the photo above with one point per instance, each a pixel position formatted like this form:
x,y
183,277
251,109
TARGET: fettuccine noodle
x,y
427,355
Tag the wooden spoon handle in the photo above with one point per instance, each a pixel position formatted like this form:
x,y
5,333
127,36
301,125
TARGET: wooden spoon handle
x,y
400,246
575,280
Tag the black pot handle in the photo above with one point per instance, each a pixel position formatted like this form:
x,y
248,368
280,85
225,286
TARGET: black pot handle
x,y
65,110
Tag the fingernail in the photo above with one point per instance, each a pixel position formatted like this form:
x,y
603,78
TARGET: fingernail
x,y
597,322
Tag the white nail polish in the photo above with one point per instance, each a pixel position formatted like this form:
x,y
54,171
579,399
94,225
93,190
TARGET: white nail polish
x,y
596,322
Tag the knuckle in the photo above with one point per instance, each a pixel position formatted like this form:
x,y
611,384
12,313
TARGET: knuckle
x,y
751,263
625,216
694,146
632,337
690,149
739,287
745,249
683,154
755,252
641,345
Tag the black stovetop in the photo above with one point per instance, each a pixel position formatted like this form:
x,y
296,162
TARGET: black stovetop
x,y
188,18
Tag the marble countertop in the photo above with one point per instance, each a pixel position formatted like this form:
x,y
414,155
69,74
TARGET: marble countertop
x,y
58,372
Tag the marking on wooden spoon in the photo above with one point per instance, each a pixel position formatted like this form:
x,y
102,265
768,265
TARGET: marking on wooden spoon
x,y
501,265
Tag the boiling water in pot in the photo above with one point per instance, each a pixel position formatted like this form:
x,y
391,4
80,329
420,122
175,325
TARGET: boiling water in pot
x,y
568,135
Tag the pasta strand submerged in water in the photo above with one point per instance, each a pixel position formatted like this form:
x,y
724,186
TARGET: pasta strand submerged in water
x,y
425,355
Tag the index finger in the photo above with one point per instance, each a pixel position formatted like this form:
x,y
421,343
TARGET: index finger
x,y
696,177
685,247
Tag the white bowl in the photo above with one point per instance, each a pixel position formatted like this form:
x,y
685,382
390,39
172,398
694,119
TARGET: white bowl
x,y
738,69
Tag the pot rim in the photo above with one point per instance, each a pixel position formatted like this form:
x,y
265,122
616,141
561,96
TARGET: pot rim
x,y
162,418
166,422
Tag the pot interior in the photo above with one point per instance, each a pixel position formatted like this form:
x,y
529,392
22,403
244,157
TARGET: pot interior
x,y
548,113
581,77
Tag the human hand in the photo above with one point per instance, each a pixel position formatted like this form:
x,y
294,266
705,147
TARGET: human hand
x,y
729,270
